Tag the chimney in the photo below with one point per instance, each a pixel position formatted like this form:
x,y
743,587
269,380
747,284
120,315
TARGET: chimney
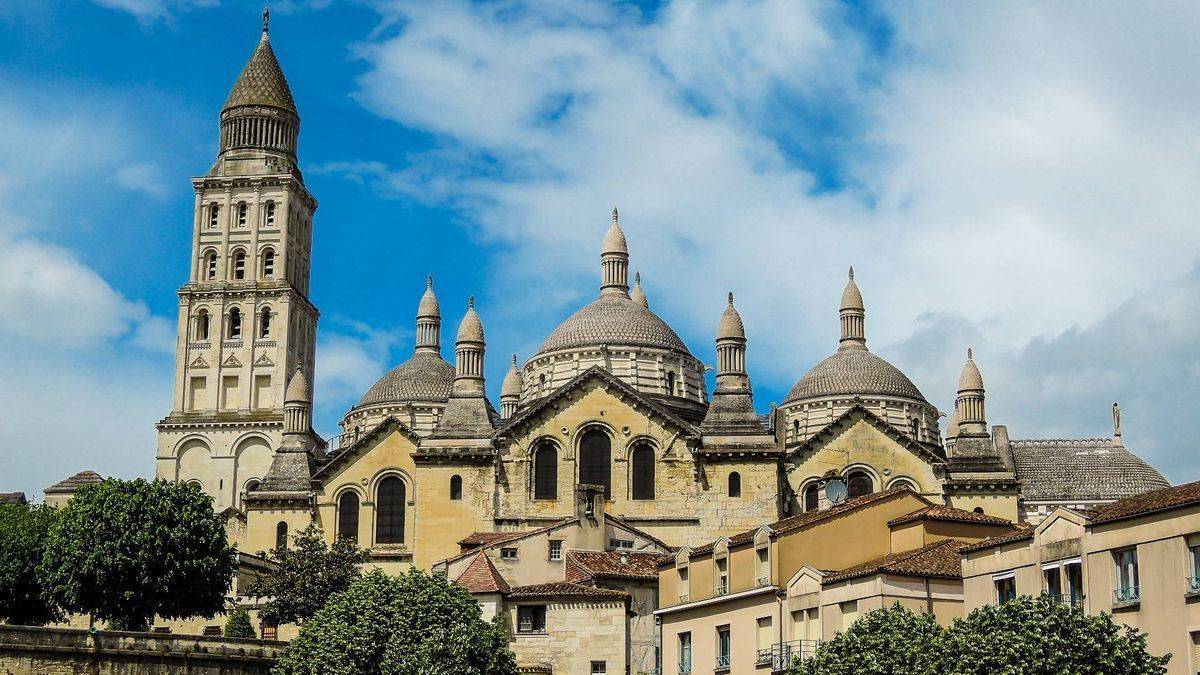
x,y
589,508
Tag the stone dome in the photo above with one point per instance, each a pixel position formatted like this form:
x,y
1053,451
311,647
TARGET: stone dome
x,y
854,372
512,380
424,377
613,320
970,379
730,326
262,81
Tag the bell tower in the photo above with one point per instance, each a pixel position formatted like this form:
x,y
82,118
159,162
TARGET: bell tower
x,y
245,321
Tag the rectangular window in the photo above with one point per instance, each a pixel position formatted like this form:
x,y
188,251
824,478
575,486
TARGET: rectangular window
x,y
620,543
270,213
722,586
1126,576
1006,588
685,652
508,554
1194,569
1073,571
1053,580
724,644
599,667
765,638
214,215
531,619
764,566
556,550
849,613
242,214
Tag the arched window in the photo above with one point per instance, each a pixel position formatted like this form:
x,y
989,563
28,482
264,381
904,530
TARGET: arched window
x,y
859,484
916,427
281,541
456,487
904,482
545,472
812,497
595,461
241,214
978,509
796,428
389,511
671,382
202,325
239,265
347,516
541,384
735,484
252,485
210,265
643,472
214,215
270,213
264,323
235,324
268,264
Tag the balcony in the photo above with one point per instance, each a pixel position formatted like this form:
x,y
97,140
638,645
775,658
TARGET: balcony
x,y
1193,587
722,662
762,581
720,589
683,600
784,654
1128,596
1072,600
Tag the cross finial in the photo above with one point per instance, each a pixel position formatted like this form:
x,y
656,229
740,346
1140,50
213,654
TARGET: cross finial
x,y
266,18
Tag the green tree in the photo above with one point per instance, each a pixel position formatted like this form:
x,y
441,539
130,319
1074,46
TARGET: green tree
x,y
307,574
890,641
1038,636
238,625
23,530
127,551
410,624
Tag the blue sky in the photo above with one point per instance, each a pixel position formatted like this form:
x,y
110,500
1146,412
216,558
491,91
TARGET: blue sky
x,y
1020,178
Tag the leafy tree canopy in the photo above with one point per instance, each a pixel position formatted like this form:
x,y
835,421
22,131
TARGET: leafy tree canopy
x,y
308,573
238,625
23,530
126,551
410,624
883,642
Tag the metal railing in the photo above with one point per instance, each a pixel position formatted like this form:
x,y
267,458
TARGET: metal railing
x,y
1193,584
722,662
685,665
1127,595
784,654
720,589
683,599
763,581
1072,600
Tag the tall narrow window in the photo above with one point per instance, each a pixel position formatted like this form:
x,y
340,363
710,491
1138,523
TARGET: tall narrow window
x,y
210,266
202,325
545,472
347,516
643,472
859,484
268,269
1006,588
671,382
389,511
235,324
1127,584
685,652
735,484
281,535
241,214
214,215
724,647
812,497
795,429
270,213
239,265
595,461
456,487
264,323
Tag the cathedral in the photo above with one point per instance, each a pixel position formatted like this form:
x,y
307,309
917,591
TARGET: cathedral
x,y
614,406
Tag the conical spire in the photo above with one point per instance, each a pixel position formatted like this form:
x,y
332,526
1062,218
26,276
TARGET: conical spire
x,y
297,410
730,326
639,295
260,113
262,81
970,378
969,410
470,329
510,390
614,260
297,389
852,316
429,321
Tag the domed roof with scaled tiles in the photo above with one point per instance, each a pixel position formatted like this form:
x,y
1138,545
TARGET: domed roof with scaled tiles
x,y
614,320
262,81
425,377
854,372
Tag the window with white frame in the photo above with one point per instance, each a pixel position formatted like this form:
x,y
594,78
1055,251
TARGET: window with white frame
x,y
1193,563
599,667
722,585
1126,587
555,550
724,648
620,543
508,554
1006,587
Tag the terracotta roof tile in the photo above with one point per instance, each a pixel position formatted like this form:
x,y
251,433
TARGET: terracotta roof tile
x,y
75,482
1148,502
939,559
1021,534
564,589
582,565
481,576
947,513
476,539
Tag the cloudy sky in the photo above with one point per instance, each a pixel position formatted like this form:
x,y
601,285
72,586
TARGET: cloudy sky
x,y
1017,177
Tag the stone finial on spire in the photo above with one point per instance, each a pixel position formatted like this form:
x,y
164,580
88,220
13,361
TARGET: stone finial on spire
x,y
615,217
614,260
266,18
1116,415
852,316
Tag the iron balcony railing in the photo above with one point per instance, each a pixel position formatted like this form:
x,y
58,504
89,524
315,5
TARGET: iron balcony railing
x,y
720,589
722,661
683,599
1072,600
763,581
685,665
784,654
1193,584
1127,594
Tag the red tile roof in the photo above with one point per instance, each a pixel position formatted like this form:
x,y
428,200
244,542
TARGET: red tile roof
x,y
565,590
481,576
638,565
1021,534
947,513
1165,499
477,539
939,559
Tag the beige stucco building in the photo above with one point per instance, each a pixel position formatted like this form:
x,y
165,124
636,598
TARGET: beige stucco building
x,y
1137,559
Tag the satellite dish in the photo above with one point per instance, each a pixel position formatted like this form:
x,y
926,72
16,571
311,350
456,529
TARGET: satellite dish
x,y
835,490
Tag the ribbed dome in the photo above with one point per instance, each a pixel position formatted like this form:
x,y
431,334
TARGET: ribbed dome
x,y
613,320
262,81
854,371
424,377
730,325
970,377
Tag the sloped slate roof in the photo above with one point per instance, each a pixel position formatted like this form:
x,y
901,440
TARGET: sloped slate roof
x,y
583,565
939,559
12,498
75,482
481,576
262,81
1081,469
947,513
854,371
613,320
1187,494
425,377
565,590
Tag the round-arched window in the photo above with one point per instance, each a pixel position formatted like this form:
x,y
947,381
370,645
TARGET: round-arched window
x,y
545,472
389,511
347,516
735,484
812,496
859,484
595,461
643,472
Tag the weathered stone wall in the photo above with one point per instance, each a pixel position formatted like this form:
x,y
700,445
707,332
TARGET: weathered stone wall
x,y
28,650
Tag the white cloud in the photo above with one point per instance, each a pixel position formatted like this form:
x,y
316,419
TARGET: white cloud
x,y
351,356
149,11
144,177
